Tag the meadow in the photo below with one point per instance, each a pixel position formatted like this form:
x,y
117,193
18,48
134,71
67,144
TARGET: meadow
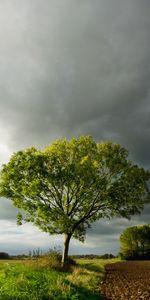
x,y
42,279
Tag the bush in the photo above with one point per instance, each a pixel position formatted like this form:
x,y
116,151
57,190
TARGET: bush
x,y
52,260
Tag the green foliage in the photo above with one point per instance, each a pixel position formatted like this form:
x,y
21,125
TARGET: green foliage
x,y
70,184
135,242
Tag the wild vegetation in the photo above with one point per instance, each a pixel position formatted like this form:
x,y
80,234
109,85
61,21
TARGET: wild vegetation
x,y
43,279
68,185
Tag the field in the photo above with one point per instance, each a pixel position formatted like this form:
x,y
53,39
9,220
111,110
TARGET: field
x,y
40,280
127,281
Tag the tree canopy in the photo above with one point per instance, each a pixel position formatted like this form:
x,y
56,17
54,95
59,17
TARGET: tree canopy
x,y
135,242
68,185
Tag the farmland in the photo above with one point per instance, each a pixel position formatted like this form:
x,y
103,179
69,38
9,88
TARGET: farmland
x,y
127,280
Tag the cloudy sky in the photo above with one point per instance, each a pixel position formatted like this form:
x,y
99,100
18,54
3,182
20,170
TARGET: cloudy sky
x,y
72,67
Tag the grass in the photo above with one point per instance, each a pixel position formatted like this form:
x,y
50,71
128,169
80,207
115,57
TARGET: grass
x,y
38,280
90,272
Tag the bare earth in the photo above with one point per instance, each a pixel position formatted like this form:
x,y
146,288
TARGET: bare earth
x,y
127,281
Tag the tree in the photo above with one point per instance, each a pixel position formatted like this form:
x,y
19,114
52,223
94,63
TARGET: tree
x,y
4,255
135,242
68,185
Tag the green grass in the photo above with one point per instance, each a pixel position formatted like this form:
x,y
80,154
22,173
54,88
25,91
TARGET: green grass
x,y
90,272
33,281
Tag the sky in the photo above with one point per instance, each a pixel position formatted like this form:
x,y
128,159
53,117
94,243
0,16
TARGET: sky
x,y
71,68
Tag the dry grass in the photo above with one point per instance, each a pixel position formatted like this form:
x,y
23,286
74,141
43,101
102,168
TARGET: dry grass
x,y
80,276
89,273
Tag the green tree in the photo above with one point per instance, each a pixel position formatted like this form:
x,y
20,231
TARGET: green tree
x,y
68,185
135,242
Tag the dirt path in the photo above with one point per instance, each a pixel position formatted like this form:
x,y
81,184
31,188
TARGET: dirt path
x,y
127,281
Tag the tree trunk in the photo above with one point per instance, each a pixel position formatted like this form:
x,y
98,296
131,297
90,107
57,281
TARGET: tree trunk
x,y
64,261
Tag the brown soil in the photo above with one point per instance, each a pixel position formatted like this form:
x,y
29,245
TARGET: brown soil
x,y
127,281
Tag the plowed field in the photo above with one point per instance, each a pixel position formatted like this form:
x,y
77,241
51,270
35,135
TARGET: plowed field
x,y
127,281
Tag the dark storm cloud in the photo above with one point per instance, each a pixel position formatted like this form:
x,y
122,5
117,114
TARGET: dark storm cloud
x,y
115,227
75,67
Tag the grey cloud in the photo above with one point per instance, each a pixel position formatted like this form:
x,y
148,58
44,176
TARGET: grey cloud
x,y
117,225
68,68
75,67
7,212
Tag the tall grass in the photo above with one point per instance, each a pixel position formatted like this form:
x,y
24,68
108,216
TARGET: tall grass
x,y
42,279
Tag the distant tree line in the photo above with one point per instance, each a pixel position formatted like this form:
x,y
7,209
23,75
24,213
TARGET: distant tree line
x,y
4,255
38,253
93,256
135,242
